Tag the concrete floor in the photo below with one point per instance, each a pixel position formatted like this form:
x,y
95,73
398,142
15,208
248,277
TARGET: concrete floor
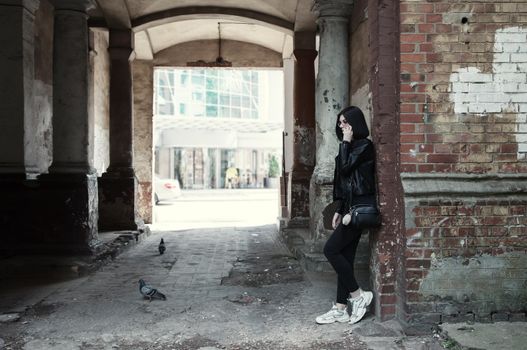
x,y
233,288
230,287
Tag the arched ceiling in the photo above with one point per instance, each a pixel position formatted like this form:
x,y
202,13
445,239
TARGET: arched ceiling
x,y
164,23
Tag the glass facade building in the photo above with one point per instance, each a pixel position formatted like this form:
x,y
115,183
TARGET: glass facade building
x,y
213,119
207,93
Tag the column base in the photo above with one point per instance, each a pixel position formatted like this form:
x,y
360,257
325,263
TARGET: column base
x,y
54,214
117,203
320,196
298,198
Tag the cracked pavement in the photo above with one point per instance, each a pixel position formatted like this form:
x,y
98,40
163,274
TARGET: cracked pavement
x,y
227,288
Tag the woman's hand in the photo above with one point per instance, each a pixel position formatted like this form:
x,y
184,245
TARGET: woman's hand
x,y
347,133
336,220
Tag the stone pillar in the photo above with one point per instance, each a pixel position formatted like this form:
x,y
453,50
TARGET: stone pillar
x,y
72,126
303,129
143,78
118,185
332,95
288,153
69,193
16,91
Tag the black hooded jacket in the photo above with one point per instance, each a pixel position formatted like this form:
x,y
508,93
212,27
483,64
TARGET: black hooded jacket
x,y
354,177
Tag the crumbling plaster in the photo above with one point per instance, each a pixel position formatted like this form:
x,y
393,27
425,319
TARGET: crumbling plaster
x,y
143,80
101,101
40,142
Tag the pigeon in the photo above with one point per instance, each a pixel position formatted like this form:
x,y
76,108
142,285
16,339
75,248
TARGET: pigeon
x,y
162,247
150,292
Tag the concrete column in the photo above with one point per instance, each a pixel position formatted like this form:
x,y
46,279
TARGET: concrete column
x,y
332,95
16,91
66,205
118,185
303,129
72,124
285,187
121,49
143,87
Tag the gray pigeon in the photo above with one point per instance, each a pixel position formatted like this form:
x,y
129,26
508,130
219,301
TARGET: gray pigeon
x,y
150,292
162,247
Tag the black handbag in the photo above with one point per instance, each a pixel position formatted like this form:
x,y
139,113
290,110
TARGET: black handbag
x,y
364,216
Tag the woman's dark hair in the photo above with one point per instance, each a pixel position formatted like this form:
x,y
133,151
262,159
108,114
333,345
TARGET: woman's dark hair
x,y
355,118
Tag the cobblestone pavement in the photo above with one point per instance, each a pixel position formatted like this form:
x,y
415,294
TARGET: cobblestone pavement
x,y
227,288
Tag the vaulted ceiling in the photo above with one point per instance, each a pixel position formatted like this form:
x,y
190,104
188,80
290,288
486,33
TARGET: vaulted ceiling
x,y
164,23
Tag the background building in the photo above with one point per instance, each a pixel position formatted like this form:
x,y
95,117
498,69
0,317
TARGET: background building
x,y
207,120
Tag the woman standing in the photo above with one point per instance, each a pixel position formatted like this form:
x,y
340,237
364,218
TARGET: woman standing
x,y
353,183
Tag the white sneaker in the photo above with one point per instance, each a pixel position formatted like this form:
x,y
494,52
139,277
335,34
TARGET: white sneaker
x,y
359,306
333,315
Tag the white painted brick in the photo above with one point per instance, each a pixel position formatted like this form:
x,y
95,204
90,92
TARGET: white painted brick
x,y
498,47
483,87
523,108
519,57
484,108
519,98
475,77
461,108
508,87
513,38
468,70
459,87
507,30
522,67
502,57
465,98
494,98
511,108
523,128
503,91
513,47
522,118
506,67
510,77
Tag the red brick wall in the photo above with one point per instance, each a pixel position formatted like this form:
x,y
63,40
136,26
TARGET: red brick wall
x,y
463,77
387,245
435,43
465,260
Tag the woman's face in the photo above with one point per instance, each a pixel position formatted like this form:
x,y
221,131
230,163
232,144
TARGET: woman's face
x,y
342,122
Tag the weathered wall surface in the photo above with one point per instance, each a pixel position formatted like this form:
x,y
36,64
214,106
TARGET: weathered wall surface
x,y
143,87
239,53
387,242
463,112
41,138
101,101
360,94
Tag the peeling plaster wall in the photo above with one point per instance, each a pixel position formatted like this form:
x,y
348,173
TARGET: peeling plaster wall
x,y
483,284
239,53
466,259
41,140
101,101
143,87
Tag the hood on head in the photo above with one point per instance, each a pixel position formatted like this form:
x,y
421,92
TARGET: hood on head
x,y
355,118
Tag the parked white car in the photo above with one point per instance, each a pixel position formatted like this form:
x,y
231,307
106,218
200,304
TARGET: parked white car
x,y
166,189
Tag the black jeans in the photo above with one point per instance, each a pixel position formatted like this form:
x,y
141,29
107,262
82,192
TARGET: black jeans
x,y
340,251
